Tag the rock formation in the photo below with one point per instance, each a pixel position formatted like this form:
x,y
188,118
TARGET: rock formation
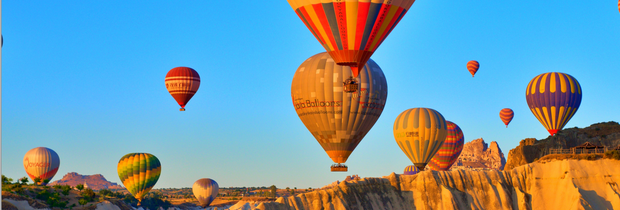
x,y
477,154
94,182
604,134
566,184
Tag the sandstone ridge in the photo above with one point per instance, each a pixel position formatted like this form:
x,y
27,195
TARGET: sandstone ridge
x,y
565,184
477,154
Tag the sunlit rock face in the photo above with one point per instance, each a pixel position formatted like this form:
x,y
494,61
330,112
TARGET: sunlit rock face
x,y
477,154
529,149
566,184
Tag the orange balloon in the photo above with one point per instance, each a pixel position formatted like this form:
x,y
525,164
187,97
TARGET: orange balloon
x,y
472,67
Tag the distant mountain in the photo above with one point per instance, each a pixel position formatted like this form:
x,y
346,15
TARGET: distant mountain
x,y
478,154
95,182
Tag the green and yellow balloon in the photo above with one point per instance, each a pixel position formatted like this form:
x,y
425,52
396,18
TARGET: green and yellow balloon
x,y
139,172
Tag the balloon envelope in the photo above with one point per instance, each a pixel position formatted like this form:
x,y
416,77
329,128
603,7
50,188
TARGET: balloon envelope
x,y
350,31
553,98
182,83
41,162
420,132
139,172
338,120
205,190
450,150
506,114
411,170
472,67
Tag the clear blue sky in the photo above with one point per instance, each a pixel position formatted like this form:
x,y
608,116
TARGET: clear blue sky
x,y
87,80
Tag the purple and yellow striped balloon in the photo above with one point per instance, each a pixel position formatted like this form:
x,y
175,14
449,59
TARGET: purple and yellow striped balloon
x,y
506,114
450,150
411,170
553,98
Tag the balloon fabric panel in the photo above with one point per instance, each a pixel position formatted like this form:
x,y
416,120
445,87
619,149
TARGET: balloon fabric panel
x,y
450,150
553,98
338,120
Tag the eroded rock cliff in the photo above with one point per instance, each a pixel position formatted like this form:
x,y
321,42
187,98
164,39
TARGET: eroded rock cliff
x,y
566,184
604,134
477,154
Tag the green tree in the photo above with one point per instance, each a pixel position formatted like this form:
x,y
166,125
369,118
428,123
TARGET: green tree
x,y
273,191
88,194
82,202
80,187
6,180
36,180
65,189
24,180
46,181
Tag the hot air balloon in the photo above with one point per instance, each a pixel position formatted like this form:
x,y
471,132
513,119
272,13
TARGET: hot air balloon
x,y
182,83
472,67
411,170
205,190
506,114
420,132
350,31
338,120
553,98
42,163
139,172
450,150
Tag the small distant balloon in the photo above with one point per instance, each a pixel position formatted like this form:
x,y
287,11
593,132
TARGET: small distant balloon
x,y
553,98
472,67
411,170
506,114
42,163
205,190
182,83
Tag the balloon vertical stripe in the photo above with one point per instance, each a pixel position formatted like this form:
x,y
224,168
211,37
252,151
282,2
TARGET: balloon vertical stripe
x,y
553,98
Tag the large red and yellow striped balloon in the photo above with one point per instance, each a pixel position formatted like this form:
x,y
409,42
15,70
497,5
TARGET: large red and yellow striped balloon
x,y
351,30
472,67
553,98
506,114
420,132
41,162
182,83
450,150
